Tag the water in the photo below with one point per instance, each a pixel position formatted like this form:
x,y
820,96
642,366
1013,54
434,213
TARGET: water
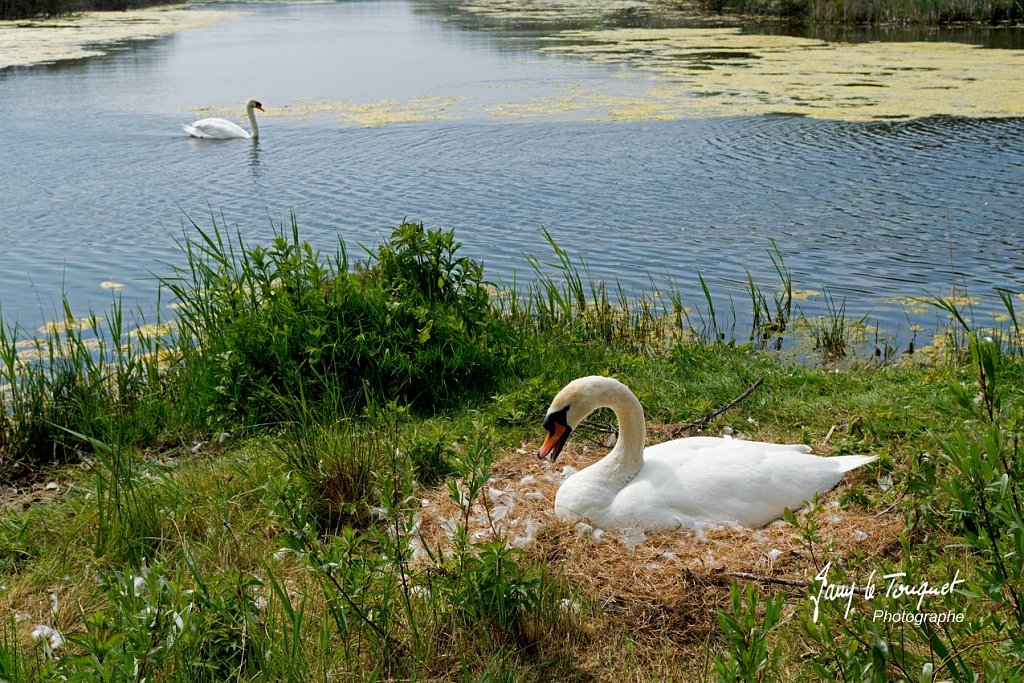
x,y
98,180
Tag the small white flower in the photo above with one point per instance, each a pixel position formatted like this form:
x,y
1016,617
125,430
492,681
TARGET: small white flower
x,y
570,606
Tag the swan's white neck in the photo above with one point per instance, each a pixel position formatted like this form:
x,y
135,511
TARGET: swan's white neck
x,y
627,458
252,121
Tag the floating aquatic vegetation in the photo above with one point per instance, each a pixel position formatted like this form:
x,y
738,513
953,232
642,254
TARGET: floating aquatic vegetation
x,y
550,10
576,100
369,115
69,324
151,331
724,72
91,34
805,294
110,284
394,111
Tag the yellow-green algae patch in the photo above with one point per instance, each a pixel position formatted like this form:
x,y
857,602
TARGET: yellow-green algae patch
x,y
43,41
549,10
369,114
724,72
570,99
386,112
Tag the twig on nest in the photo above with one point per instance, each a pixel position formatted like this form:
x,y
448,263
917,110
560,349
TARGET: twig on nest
x,y
601,427
702,421
780,581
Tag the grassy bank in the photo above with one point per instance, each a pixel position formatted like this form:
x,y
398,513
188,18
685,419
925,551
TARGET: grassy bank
x,y
326,470
879,12
28,9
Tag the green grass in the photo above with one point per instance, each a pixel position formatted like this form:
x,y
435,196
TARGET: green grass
x,y
241,495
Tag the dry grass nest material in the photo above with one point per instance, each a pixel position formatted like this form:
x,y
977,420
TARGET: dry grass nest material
x,y
662,584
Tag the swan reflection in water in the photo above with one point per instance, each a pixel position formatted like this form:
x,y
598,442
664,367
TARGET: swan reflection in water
x,y
254,159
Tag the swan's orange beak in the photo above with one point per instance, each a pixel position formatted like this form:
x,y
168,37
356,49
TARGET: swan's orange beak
x,y
555,442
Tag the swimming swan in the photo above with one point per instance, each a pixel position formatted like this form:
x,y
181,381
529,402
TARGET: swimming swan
x,y
692,482
222,129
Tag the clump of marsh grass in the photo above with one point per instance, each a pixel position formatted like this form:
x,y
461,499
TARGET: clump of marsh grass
x,y
79,378
769,318
771,321
831,331
566,302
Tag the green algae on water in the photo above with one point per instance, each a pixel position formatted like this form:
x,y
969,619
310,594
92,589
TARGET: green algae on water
x,y
91,34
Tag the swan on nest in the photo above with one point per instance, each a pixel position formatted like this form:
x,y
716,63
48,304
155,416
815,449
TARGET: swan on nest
x,y
693,482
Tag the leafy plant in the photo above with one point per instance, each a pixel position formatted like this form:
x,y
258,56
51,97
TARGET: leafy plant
x,y
747,656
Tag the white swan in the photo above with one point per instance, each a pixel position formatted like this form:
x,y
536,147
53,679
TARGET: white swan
x,y
692,482
222,129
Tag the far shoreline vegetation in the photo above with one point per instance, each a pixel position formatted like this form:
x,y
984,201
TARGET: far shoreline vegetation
x,y
34,9
808,12
873,12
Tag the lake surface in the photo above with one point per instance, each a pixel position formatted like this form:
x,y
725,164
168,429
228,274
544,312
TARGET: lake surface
x,y
499,124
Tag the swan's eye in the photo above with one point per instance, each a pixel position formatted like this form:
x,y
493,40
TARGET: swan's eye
x,y
559,417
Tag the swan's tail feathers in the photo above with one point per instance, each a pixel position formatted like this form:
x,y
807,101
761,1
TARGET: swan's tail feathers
x,y
851,462
194,132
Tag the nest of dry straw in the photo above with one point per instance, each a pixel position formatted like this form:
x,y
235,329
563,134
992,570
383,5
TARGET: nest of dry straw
x,y
660,584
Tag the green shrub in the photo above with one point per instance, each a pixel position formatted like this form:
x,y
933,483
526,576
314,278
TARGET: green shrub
x,y
262,328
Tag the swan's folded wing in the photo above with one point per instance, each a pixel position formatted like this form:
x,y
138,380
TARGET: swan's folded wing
x,y
193,131
748,483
